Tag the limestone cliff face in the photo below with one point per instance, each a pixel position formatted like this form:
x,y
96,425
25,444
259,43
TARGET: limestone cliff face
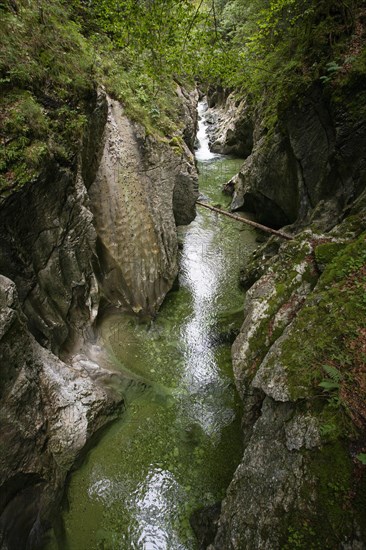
x,y
47,248
132,199
314,157
98,233
230,125
104,227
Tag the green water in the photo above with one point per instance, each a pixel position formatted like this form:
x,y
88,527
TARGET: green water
x,y
178,443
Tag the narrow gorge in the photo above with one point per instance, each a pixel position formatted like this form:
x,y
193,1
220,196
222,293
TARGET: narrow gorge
x,y
170,378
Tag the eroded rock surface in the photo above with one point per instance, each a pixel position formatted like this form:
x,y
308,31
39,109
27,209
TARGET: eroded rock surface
x,y
299,466
230,126
307,169
131,199
271,476
49,411
100,232
48,249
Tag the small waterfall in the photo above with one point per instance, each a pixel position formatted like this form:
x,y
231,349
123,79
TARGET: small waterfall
x,y
178,444
203,152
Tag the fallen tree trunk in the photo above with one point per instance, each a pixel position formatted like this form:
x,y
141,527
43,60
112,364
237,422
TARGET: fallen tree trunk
x,y
248,222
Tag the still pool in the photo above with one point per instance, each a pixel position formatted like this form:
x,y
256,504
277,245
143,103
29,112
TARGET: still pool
x,y
178,443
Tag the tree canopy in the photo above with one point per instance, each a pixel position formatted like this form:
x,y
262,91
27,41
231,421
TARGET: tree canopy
x,y
53,52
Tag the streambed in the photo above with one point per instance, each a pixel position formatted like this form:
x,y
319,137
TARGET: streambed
x,y
178,443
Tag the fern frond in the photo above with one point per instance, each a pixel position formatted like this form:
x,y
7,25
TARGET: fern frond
x,y
334,374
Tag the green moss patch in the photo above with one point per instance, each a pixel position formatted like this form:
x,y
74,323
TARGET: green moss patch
x,y
291,269
46,80
49,72
328,493
326,252
330,330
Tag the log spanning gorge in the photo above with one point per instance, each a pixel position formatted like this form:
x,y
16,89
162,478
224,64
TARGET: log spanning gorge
x,y
177,444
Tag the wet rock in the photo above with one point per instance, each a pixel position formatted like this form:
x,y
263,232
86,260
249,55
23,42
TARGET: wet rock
x,y
98,232
270,306
267,485
49,410
230,127
104,223
306,170
258,263
264,184
204,524
283,489
48,249
138,180
271,376
216,96
302,431
189,100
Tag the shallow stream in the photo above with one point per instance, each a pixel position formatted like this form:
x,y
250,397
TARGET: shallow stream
x,y
178,443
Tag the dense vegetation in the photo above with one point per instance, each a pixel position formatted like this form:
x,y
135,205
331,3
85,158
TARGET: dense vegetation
x,y
278,47
54,53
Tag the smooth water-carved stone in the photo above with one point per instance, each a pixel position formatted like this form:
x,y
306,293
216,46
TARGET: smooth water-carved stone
x,y
49,410
131,199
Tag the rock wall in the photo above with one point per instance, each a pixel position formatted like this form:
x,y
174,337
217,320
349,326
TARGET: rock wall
x,y
309,168
49,410
229,125
132,200
47,248
299,373
97,233
104,227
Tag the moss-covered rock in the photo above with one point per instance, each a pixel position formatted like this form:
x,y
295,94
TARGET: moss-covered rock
x,y
271,304
300,367
326,252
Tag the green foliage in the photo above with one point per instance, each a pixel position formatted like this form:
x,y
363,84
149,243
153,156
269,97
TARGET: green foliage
x,y
46,80
333,380
331,415
331,68
148,99
329,430
274,49
52,54
268,49
362,458
41,49
332,519
301,537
